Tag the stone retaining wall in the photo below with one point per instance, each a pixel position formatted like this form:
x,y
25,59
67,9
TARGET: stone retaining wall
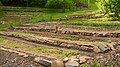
x,y
70,32
58,43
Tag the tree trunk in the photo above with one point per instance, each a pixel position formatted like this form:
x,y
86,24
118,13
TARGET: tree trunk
x,y
88,4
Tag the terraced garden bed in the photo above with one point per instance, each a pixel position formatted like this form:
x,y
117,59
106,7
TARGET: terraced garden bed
x,y
72,30
68,43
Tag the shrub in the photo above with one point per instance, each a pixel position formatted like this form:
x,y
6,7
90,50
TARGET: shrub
x,y
36,3
60,4
0,3
109,6
1,13
14,2
33,3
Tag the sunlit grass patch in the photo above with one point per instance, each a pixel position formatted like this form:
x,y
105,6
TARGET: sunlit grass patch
x,y
90,23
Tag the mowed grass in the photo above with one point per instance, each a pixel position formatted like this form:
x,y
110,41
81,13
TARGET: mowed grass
x,y
45,15
59,53
48,15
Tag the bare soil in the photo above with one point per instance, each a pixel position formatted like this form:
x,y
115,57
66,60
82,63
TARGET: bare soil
x,y
8,59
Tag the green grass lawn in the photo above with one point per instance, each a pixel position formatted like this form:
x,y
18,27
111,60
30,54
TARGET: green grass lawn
x,y
54,15
46,15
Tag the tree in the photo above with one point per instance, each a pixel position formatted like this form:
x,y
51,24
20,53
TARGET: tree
x,y
88,3
13,2
109,6
31,3
0,3
36,3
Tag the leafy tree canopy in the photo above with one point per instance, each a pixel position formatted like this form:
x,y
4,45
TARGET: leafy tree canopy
x,y
109,6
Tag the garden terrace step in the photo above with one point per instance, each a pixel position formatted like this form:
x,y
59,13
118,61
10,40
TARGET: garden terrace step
x,y
73,37
106,56
88,28
39,58
59,43
70,37
43,51
54,29
71,51
49,42
42,29
67,36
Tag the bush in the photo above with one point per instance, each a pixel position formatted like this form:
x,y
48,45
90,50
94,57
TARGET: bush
x,y
1,13
0,3
31,3
60,4
36,3
14,2
109,6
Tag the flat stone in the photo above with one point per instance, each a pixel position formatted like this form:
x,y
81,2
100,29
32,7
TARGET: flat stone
x,y
118,34
42,61
57,63
113,43
63,31
103,47
37,59
63,45
65,59
96,49
3,49
84,59
21,54
25,56
72,63
111,47
74,58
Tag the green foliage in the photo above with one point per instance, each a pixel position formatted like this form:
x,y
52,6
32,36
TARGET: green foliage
x,y
0,3
92,4
1,12
13,2
60,4
31,3
56,4
90,23
36,3
109,6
